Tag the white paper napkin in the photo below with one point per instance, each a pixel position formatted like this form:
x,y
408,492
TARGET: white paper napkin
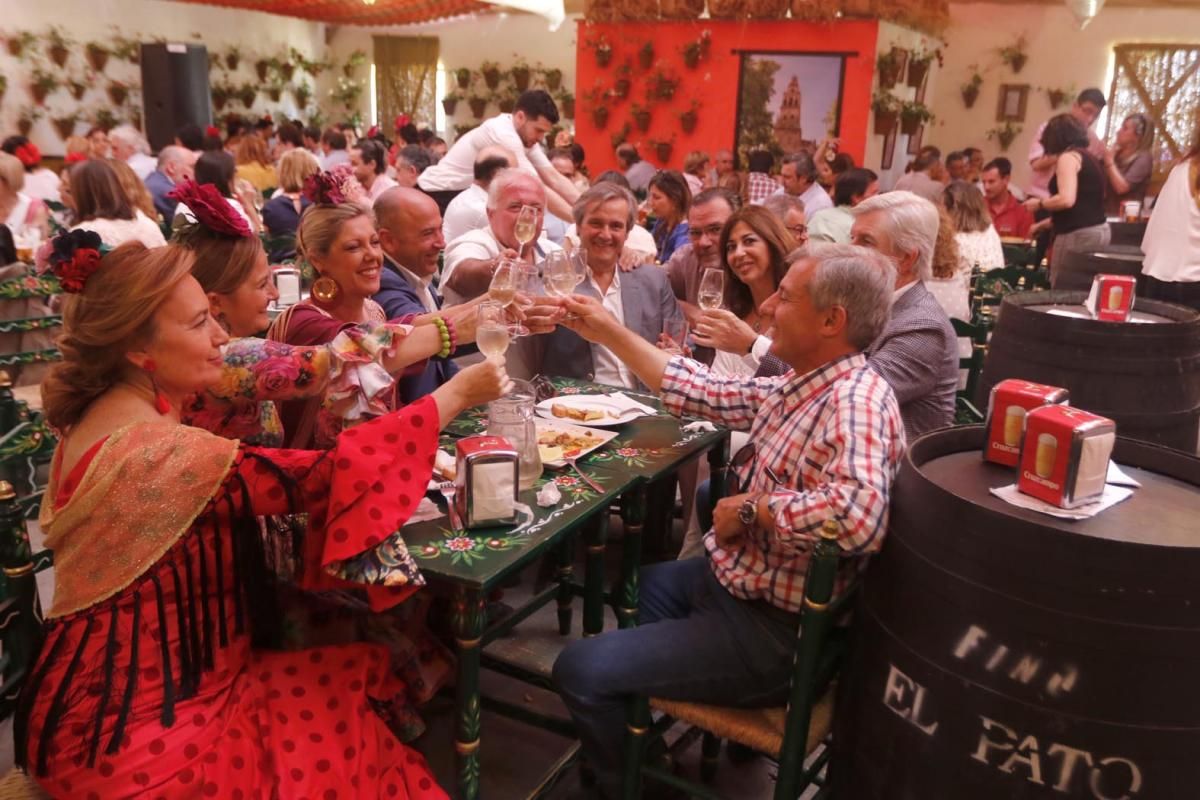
x,y
426,510
628,404
1111,496
699,425
1116,477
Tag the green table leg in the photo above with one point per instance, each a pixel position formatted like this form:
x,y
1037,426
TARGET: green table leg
x,y
467,619
595,535
566,594
633,514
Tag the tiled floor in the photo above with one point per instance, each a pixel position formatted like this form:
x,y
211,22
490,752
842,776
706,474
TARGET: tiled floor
x,y
516,756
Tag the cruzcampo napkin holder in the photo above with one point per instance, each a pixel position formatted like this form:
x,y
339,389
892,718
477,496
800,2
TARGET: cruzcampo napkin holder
x,y
487,481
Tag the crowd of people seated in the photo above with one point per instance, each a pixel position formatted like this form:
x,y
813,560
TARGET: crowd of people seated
x,y
831,349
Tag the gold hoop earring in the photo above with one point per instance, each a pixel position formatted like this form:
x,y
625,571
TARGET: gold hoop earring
x,y
326,292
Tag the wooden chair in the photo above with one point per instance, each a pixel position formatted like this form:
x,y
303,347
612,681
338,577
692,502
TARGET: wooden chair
x,y
787,734
26,447
965,412
25,328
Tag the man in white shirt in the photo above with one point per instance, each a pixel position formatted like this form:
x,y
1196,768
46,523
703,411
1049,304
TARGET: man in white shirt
x,y
799,178
411,161
471,259
468,210
333,149
520,132
1086,109
369,160
129,146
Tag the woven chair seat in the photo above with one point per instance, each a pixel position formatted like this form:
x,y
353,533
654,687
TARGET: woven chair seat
x,y
16,785
760,729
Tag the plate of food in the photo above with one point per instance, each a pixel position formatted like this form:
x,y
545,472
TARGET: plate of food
x,y
558,441
589,410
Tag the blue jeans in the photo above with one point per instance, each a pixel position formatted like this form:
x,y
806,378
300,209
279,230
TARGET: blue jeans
x,y
695,642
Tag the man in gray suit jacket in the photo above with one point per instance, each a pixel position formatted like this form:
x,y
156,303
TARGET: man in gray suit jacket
x,y
917,352
641,299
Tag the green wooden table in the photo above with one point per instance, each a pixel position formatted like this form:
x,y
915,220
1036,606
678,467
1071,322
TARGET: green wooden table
x,y
473,563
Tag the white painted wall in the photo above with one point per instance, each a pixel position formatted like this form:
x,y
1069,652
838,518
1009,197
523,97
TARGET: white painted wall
x,y
469,41
217,28
1059,55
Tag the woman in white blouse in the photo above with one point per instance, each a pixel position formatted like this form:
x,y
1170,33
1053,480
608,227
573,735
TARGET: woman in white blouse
x,y
754,245
1172,240
978,245
101,205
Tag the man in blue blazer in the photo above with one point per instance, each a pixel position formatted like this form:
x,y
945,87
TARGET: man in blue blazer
x,y
410,233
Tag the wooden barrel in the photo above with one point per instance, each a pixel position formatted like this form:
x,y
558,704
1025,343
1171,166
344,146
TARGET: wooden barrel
x,y
1143,375
1003,654
1127,233
1078,269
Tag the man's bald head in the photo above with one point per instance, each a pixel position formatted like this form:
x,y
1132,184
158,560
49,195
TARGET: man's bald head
x,y
410,229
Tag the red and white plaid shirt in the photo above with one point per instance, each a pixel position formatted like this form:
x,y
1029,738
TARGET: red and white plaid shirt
x,y
832,437
759,186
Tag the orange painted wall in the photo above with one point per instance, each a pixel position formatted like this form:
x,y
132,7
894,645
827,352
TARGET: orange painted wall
x,y
714,82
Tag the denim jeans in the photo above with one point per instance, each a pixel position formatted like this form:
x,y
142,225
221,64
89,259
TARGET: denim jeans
x,y
695,642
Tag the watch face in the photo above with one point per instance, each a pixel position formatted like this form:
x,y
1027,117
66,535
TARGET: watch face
x,y
747,513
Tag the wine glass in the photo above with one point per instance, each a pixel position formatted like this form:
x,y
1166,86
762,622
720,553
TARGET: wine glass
x,y
491,331
712,289
525,227
560,274
504,282
528,286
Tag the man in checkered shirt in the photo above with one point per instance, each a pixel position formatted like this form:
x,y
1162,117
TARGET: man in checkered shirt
x,y
827,441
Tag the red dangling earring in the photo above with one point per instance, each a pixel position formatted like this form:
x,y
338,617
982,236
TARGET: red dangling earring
x,y
162,403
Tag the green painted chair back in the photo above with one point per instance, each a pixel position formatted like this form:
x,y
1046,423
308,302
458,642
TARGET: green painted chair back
x,y
31,340
26,446
1019,255
820,646
20,608
965,412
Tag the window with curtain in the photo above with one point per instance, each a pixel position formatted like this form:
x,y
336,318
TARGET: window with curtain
x,y
1163,82
405,76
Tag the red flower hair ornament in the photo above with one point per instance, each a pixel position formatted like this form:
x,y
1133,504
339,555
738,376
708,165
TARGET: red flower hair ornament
x,y
324,188
72,257
28,154
210,210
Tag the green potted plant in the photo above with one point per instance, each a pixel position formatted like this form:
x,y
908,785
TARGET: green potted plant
x,y
19,43
506,100
247,93
26,117
58,45
566,102
624,82
645,54
478,105
696,49
912,116
970,89
663,148
886,107
1004,136
690,117
233,57
302,93
261,67
521,74
76,88
603,50
357,59
597,101
285,68
553,78
620,135
274,91
491,74
663,84
41,84
105,118
1014,54
641,117
97,55
1059,97
463,76
221,92
65,124
450,102
918,65
889,65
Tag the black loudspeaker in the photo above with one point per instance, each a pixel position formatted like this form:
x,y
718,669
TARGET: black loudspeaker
x,y
174,90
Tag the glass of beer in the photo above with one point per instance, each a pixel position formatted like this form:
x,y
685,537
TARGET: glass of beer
x,y
1047,454
1014,425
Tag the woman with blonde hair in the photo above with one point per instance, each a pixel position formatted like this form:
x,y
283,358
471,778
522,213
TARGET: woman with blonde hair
x,y
254,165
102,205
20,212
160,650
1129,164
135,190
281,214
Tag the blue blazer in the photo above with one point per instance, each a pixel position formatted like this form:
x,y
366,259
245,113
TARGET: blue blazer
x,y
398,298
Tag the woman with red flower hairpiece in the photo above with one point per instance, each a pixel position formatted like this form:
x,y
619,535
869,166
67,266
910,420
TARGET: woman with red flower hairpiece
x,y
152,680
40,183
20,212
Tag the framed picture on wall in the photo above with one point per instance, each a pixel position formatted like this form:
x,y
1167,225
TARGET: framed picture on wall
x,y
1013,99
914,141
788,101
889,148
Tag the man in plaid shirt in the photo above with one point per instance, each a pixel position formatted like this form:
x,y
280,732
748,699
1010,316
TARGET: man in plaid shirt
x,y
759,183
827,442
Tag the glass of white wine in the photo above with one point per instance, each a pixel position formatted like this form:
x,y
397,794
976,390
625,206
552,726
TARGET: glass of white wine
x,y
504,282
525,227
528,286
491,331
559,274
712,290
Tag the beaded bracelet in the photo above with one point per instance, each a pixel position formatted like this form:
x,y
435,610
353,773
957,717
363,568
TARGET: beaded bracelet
x,y
447,334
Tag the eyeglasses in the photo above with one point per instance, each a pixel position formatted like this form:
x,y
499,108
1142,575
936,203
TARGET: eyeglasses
x,y
798,230
747,455
712,231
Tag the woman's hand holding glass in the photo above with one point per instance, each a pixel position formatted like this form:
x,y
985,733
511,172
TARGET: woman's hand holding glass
x,y
481,383
492,330
722,330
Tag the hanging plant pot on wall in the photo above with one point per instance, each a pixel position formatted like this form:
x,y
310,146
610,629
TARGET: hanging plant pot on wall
x,y
507,105
688,121
641,118
520,76
491,76
909,125
478,106
622,87
890,66
917,70
65,126
663,151
24,126
450,105
970,93
463,76
97,56
59,54
600,116
645,55
885,122
118,93
568,107
260,69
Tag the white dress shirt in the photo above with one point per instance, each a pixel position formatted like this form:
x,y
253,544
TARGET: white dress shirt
x,y
607,368
380,185
142,165
478,245
420,284
466,212
456,170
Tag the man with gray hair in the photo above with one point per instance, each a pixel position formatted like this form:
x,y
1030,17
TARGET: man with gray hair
x,y
471,259
827,441
175,165
798,177
130,146
641,300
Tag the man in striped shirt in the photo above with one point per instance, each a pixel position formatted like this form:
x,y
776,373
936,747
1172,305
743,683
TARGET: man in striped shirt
x,y
827,443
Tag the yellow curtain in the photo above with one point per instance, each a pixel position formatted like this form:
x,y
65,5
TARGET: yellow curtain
x,y
405,77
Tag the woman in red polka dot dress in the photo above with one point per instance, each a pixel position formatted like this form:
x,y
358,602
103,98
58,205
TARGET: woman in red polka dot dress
x,y
149,682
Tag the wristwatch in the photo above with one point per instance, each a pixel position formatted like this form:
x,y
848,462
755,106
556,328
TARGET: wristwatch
x,y
748,512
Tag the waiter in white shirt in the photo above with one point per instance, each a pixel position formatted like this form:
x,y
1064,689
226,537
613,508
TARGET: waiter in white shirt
x,y
521,133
